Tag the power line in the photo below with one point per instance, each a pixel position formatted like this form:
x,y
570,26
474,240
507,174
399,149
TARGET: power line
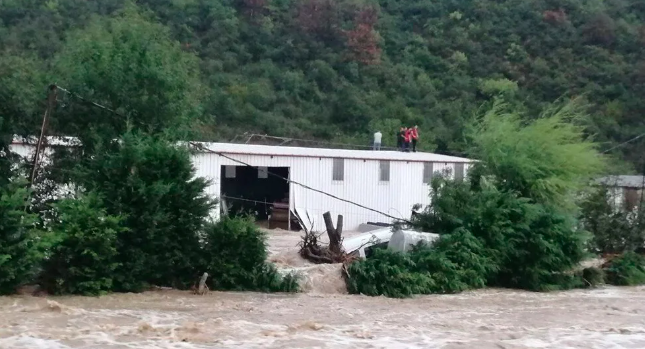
x,y
89,102
623,143
199,146
245,200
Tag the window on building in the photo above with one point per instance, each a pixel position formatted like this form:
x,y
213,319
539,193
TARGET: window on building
x,y
428,171
459,171
384,175
263,172
339,170
229,171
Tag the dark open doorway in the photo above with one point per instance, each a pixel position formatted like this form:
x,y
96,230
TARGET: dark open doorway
x,y
257,191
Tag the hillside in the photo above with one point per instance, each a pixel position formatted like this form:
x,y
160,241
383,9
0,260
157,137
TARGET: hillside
x,y
339,69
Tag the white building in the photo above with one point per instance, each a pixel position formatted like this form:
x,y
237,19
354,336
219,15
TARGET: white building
x,y
386,181
625,192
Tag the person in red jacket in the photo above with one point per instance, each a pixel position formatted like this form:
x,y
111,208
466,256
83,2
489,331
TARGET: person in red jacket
x,y
414,133
407,138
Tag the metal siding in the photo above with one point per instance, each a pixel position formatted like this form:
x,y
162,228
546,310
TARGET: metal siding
x,y
361,184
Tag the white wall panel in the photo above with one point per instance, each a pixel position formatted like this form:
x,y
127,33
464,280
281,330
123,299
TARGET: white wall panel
x,y
361,184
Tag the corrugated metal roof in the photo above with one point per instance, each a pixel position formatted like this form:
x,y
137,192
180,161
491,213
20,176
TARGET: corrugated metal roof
x,y
232,148
273,150
622,181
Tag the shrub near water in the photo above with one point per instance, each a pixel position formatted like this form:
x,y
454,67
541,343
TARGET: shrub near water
x,y
235,255
626,270
152,184
511,224
19,252
614,229
83,259
454,264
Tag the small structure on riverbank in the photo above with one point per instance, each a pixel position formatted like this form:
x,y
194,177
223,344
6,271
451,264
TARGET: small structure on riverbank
x,y
626,192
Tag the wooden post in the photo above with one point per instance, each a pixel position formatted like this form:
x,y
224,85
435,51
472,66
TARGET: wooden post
x,y
51,101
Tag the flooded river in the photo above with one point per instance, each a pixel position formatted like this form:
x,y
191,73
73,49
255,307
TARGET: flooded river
x,y
325,317
604,318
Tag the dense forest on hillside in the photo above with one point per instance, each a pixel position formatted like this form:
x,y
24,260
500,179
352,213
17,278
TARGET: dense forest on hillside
x,y
326,69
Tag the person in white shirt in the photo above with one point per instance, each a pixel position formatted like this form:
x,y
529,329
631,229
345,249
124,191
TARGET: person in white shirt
x,y
377,140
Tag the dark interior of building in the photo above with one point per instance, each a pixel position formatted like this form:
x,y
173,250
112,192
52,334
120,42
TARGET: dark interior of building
x,y
250,190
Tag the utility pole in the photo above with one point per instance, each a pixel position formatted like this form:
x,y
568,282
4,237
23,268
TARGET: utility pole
x,y
51,102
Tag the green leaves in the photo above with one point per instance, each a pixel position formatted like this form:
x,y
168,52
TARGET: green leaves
x,y
84,259
132,66
627,269
19,241
614,229
512,224
235,258
546,160
152,184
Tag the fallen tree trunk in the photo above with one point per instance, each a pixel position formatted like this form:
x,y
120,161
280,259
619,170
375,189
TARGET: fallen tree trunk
x,y
334,233
311,249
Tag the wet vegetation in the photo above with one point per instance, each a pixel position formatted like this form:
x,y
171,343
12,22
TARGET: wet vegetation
x,y
479,77
513,222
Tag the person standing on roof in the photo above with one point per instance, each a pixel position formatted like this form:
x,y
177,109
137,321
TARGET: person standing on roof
x,y
377,140
407,138
414,132
399,138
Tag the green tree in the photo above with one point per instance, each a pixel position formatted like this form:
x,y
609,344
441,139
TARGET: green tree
x,y
152,185
297,67
614,229
547,160
19,246
511,224
22,87
132,66
83,258
235,255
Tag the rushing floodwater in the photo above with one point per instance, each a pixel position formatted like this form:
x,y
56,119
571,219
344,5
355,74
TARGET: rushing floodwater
x,y
604,318
324,317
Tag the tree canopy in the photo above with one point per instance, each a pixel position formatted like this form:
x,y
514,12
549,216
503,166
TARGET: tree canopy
x,y
336,69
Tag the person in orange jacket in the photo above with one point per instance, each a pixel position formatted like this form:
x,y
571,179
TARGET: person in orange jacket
x,y
414,133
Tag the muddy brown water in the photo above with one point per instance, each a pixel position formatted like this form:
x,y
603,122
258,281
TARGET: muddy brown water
x,y
603,318
324,317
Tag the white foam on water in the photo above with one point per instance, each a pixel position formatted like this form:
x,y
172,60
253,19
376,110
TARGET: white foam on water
x,y
29,342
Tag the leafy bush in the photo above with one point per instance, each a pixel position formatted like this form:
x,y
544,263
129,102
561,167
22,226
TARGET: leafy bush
x,y
511,224
547,160
615,230
152,184
456,262
627,269
593,276
388,273
235,255
19,250
83,259
514,232
453,264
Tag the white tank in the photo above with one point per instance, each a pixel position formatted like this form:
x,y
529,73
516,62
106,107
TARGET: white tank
x,y
404,240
